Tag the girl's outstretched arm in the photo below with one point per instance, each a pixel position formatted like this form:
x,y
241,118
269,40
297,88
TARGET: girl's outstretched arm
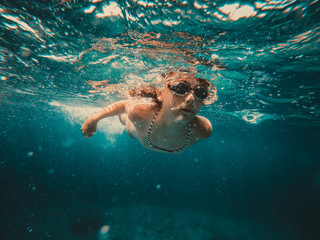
x,y
89,127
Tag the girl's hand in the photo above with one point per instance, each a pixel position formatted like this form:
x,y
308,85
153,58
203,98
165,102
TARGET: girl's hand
x,y
89,128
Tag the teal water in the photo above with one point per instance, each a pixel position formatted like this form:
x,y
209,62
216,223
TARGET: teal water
x,y
256,177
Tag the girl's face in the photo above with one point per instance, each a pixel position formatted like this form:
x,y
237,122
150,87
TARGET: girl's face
x,y
184,97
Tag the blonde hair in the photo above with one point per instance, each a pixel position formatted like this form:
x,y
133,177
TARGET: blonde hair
x,y
146,91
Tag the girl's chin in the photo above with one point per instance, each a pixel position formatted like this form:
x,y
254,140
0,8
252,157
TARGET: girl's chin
x,y
184,116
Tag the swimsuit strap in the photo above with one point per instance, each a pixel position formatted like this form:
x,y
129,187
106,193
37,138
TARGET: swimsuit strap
x,y
149,132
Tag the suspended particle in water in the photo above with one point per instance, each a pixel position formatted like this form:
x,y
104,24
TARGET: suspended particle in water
x,y
103,233
30,154
158,186
32,187
104,229
51,171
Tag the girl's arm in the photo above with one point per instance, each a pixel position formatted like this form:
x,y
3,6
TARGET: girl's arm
x,y
89,127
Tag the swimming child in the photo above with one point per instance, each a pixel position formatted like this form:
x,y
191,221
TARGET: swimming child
x,y
163,119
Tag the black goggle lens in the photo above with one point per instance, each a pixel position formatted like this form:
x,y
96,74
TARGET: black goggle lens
x,y
181,88
200,92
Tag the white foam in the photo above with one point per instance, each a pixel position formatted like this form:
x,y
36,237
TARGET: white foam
x,y
77,114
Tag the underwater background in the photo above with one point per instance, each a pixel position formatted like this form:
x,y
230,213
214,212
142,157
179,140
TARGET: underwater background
x,y
257,177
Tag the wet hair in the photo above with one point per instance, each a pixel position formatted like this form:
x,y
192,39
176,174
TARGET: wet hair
x,y
150,91
146,91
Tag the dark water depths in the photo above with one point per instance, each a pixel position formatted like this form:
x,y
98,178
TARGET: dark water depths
x,y
259,168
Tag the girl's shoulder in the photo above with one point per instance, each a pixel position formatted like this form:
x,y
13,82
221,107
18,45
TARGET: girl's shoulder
x,y
202,127
141,109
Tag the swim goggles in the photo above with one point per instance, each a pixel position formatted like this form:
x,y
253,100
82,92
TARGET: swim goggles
x,y
182,88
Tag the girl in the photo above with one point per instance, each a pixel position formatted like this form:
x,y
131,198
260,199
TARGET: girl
x,y
163,120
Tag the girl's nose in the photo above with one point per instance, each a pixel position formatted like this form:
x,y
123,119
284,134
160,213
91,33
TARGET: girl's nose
x,y
190,98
